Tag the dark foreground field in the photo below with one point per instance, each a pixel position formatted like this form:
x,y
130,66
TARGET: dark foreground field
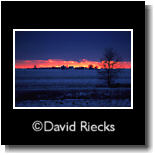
x,y
70,88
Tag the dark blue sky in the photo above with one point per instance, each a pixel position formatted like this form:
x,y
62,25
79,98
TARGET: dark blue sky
x,y
70,45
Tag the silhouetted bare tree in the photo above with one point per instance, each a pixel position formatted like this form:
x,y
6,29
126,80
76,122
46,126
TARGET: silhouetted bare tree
x,y
109,61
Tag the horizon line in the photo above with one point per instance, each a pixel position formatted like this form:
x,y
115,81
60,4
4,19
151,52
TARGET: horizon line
x,y
60,62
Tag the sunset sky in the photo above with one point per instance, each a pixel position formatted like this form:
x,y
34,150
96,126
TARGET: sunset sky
x,y
70,48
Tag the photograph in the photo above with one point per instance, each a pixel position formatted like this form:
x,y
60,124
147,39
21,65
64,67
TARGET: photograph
x,y
73,74
73,68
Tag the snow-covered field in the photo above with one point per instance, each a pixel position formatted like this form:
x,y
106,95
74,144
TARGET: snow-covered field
x,y
70,88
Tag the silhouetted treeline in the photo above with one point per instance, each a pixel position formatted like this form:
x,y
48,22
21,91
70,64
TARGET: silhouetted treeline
x,y
67,68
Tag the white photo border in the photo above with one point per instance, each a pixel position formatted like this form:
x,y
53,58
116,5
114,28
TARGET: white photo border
x,y
14,30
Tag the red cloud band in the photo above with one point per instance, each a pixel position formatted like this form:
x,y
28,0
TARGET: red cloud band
x,y
59,63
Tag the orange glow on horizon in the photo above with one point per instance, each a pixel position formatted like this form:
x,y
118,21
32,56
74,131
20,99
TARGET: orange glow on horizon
x,y
58,63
